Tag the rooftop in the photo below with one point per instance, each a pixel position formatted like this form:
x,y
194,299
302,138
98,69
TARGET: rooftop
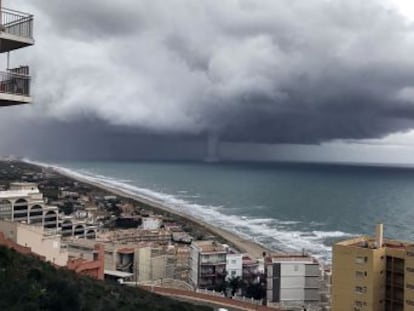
x,y
209,247
370,242
291,258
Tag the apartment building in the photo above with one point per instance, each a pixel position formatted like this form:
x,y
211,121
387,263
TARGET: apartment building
x,y
373,274
234,265
16,32
292,280
208,264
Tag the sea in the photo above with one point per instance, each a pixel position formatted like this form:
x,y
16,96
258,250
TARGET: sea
x,y
287,207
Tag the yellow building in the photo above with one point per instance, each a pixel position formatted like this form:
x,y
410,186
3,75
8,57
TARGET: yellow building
x,y
373,274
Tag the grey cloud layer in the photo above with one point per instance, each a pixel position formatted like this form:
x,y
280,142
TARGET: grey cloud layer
x,y
288,71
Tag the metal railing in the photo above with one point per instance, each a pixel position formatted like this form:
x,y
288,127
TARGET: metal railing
x,y
14,83
16,23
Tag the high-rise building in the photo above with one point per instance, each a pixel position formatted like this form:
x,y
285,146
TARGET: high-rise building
x,y
16,32
373,274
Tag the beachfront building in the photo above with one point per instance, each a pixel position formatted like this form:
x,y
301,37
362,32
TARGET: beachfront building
x,y
45,244
292,281
16,32
373,274
234,265
207,264
24,203
250,270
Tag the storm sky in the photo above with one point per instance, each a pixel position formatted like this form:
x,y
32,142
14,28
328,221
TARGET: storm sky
x,y
160,76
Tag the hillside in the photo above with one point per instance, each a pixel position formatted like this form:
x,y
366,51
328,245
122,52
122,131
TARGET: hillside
x,y
27,283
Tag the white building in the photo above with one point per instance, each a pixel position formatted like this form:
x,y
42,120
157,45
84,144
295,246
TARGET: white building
x,y
151,223
234,265
24,203
292,280
208,264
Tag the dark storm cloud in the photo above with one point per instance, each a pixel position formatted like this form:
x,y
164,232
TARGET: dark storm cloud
x,y
286,71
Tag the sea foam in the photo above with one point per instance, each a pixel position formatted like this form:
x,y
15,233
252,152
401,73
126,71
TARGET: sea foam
x,y
279,235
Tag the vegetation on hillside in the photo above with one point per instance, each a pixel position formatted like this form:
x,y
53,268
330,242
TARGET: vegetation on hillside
x,y
26,283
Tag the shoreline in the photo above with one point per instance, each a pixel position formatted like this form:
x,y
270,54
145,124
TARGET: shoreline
x,y
242,244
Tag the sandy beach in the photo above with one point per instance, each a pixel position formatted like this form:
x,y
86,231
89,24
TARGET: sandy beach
x,y
244,245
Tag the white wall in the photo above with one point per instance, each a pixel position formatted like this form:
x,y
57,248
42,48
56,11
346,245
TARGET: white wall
x,y
292,294
32,236
49,247
194,265
234,265
151,223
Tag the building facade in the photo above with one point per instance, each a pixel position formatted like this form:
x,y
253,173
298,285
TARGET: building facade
x,y
234,265
370,273
48,246
24,203
292,280
207,264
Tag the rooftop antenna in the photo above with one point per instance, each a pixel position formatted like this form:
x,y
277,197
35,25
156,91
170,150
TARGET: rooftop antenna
x,y
379,235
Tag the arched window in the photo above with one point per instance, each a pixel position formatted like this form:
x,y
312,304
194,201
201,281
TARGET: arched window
x,y
79,230
67,227
90,234
6,209
20,209
50,220
36,214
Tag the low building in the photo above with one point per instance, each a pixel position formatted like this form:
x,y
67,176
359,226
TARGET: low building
x,y
93,268
292,280
41,241
208,264
151,223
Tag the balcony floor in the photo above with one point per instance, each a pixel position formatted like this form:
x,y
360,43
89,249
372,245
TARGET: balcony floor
x,y
13,100
9,42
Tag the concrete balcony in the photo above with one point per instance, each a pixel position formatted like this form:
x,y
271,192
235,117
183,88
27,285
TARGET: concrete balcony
x,y
16,30
15,87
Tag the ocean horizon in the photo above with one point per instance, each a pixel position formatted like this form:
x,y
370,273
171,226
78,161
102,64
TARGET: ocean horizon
x,y
285,206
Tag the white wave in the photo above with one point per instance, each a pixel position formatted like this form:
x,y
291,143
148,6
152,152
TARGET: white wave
x,y
277,234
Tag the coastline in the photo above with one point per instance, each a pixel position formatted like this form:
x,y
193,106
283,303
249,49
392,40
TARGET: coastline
x,y
242,244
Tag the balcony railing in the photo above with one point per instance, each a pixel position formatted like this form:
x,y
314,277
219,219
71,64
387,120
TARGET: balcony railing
x,y
16,23
15,83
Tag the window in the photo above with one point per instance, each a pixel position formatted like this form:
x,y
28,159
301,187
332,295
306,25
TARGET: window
x,y
409,269
361,259
360,274
233,261
361,289
410,286
358,303
233,273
